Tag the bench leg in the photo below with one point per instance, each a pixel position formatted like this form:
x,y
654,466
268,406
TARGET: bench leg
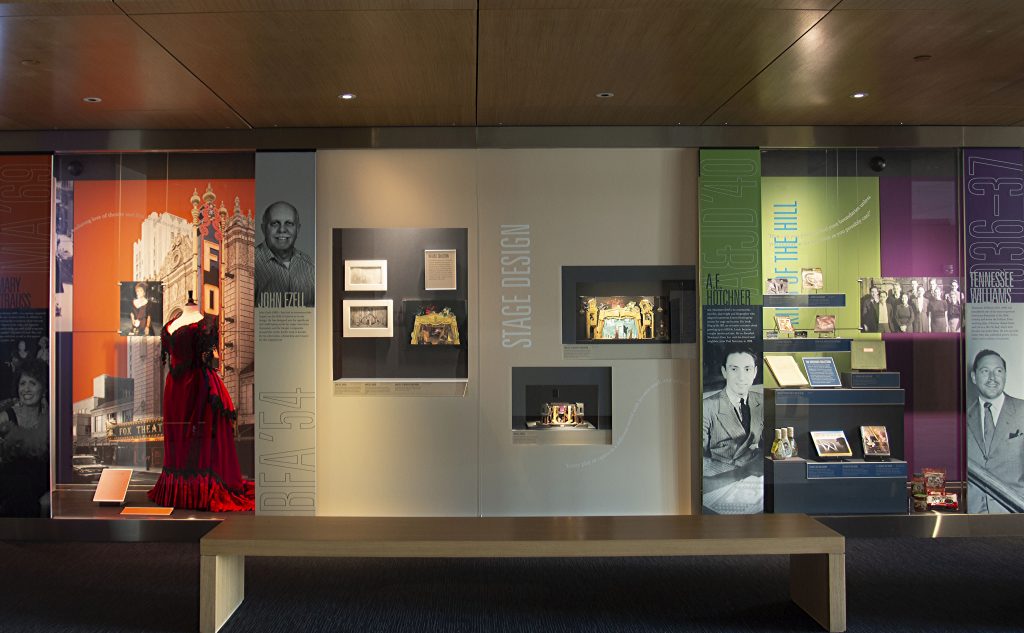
x,y
817,584
221,590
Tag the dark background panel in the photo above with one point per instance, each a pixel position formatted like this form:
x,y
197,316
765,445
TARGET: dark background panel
x,y
676,283
830,163
532,386
844,410
155,166
394,358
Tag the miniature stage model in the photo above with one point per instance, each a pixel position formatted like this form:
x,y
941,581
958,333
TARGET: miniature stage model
x,y
629,318
434,326
562,415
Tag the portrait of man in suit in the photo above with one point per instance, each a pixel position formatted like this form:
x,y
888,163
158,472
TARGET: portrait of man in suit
x,y
733,419
869,305
995,440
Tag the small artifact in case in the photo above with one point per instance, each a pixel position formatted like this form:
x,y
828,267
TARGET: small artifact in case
x,y
636,318
825,324
562,415
811,279
783,447
830,444
943,501
934,480
875,440
777,286
784,324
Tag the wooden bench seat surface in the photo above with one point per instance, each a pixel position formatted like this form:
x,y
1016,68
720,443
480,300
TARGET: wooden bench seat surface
x,y
521,536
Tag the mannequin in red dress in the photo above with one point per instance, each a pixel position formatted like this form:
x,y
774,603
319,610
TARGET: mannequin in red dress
x,y
200,463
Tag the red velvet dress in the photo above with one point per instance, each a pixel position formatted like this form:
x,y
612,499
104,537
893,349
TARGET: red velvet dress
x,y
200,463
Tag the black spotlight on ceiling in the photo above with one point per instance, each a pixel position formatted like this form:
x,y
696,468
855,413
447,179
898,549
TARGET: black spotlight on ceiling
x,y
877,163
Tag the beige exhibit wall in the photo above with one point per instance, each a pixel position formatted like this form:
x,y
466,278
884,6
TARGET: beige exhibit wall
x,y
586,208
387,456
394,456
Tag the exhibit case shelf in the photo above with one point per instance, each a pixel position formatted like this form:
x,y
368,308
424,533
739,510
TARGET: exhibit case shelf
x,y
837,487
850,486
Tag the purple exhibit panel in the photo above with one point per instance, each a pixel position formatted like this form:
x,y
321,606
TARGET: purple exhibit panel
x,y
993,185
918,226
919,239
994,201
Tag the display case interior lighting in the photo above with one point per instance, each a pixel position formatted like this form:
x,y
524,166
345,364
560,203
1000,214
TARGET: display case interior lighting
x,y
347,96
858,95
92,99
605,95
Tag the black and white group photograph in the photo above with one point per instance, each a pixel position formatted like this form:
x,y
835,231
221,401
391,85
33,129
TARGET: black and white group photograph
x,y
911,305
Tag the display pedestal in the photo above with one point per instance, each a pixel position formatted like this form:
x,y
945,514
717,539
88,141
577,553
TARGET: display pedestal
x,y
871,379
851,487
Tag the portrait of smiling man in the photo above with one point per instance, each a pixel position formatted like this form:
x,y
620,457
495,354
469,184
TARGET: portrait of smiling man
x,y
733,419
995,442
285,276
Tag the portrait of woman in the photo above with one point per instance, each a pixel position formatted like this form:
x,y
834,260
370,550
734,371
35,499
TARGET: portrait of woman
x,y
954,307
142,318
904,314
24,443
937,308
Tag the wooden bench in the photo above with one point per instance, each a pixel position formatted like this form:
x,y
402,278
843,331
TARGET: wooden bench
x,y
817,554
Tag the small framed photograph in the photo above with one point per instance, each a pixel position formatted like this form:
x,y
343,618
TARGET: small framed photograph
x,y
367,318
369,275
830,444
142,311
811,279
784,324
777,286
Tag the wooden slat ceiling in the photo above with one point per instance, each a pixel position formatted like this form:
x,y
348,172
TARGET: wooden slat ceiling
x,y
204,64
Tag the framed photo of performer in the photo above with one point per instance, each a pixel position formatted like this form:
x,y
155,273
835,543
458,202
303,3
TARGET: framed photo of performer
x,y
141,308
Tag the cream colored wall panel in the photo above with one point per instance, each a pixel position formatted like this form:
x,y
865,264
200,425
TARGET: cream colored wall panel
x,y
387,456
586,207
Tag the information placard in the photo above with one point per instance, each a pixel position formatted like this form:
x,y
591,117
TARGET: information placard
x,y
439,272
821,371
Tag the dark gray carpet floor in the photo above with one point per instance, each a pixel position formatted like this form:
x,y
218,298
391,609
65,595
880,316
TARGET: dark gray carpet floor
x,y
893,585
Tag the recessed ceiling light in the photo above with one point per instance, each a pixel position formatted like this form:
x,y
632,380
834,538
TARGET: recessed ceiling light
x,y
605,95
347,96
858,95
30,62
92,99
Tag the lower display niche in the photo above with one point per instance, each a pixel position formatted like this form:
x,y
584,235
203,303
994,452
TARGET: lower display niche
x,y
562,405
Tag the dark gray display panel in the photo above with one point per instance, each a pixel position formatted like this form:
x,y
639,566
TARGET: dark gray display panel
x,y
532,386
394,358
671,290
